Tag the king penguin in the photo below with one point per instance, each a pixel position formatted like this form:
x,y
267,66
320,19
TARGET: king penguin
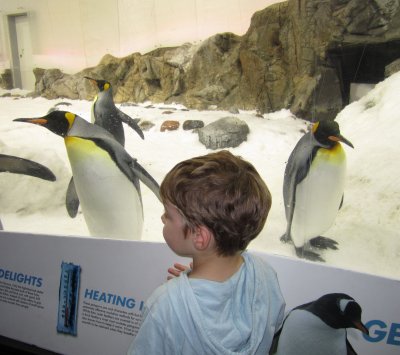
x,y
313,188
319,327
105,114
17,165
106,177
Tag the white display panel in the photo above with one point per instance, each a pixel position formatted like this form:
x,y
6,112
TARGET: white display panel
x,y
116,277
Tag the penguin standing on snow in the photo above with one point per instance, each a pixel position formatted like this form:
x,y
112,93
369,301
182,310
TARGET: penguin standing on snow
x,y
105,114
17,165
106,177
313,188
319,327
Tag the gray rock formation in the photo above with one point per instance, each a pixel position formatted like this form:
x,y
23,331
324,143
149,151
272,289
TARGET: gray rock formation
x,y
298,54
224,133
392,68
6,80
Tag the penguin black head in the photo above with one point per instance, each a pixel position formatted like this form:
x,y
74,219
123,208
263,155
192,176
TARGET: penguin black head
x,y
328,134
338,310
102,85
59,122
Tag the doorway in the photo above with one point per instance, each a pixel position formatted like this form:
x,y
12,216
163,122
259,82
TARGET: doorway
x,y
362,63
21,51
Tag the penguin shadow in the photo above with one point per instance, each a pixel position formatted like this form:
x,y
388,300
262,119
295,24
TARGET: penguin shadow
x,y
313,189
21,166
319,327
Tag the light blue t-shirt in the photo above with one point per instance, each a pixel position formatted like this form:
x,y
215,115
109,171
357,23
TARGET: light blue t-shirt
x,y
193,316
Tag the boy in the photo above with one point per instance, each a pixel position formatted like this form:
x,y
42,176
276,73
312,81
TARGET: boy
x,y
229,301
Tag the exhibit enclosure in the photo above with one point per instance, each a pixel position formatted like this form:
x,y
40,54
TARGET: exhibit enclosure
x,y
100,99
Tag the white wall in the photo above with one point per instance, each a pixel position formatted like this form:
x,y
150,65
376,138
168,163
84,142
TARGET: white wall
x,y
74,34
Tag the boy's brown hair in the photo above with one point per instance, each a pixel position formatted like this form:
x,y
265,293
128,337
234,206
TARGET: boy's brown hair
x,y
222,192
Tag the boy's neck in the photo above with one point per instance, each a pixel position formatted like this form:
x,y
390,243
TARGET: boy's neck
x,y
215,267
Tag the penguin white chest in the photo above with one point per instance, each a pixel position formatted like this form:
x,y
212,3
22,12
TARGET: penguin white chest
x,y
304,333
110,203
319,195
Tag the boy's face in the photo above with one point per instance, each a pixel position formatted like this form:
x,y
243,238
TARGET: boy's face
x,y
173,231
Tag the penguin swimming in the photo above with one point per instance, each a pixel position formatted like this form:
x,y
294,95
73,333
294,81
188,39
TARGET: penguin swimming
x,y
319,327
105,114
17,165
313,188
106,177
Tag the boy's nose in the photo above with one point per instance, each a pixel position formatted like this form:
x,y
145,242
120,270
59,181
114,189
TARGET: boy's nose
x,y
162,219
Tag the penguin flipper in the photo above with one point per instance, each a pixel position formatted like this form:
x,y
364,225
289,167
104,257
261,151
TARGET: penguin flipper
x,y
17,165
145,177
321,242
308,254
341,202
131,123
275,341
72,199
349,348
295,172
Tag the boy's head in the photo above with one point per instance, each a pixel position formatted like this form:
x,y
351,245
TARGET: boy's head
x,y
222,192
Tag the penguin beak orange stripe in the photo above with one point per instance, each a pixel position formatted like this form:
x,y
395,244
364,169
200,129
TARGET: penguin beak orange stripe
x,y
361,327
340,138
39,121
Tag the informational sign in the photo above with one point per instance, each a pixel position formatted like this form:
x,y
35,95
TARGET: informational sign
x,y
85,295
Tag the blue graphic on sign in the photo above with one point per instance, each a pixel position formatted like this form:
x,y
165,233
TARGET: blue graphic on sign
x,y
68,298
379,331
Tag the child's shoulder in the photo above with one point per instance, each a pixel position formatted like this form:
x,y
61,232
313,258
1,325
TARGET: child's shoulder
x,y
161,294
261,266
257,260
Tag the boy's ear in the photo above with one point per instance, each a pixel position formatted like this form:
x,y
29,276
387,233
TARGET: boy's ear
x,y
202,238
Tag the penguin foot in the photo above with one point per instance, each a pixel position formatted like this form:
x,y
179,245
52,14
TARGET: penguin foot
x,y
285,239
309,255
323,243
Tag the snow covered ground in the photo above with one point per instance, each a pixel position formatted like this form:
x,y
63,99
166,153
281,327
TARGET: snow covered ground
x,y
367,227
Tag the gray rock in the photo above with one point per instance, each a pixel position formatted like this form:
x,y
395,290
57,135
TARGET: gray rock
x,y
192,124
6,80
234,110
392,68
224,133
146,125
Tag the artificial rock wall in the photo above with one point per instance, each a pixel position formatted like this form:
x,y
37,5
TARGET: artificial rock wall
x,y
298,54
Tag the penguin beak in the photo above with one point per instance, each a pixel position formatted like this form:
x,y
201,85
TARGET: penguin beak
x,y
340,138
361,327
39,121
